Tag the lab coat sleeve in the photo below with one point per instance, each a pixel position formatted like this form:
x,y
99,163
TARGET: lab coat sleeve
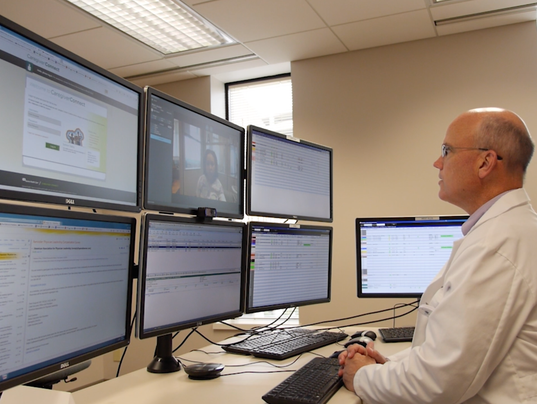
x,y
399,356
471,323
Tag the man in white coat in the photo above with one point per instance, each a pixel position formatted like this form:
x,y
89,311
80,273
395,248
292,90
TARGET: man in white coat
x,y
476,332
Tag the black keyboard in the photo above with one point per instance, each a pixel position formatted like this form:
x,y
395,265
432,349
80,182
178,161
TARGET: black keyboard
x,y
397,334
314,383
282,344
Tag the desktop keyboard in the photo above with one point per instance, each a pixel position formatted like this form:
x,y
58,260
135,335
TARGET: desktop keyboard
x,y
314,383
397,334
282,344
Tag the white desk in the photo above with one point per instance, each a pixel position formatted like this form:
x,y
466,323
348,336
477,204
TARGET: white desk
x,y
142,387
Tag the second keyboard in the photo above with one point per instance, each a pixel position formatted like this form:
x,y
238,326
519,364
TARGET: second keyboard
x,y
397,334
282,344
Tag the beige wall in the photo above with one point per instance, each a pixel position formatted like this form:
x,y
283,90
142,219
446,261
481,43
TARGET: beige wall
x,y
384,112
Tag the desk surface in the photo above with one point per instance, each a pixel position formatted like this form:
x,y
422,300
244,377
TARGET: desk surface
x,y
254,380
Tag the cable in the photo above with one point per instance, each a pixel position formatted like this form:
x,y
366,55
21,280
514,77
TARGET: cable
x,y
264,326
195,329
260,372
362,315
322,322
125,350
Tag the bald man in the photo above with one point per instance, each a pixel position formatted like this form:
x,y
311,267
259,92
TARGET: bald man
x,y
476,330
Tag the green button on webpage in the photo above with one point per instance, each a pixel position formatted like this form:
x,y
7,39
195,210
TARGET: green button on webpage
x,y
52,146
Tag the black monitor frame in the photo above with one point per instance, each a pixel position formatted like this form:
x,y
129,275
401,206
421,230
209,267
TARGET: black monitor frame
x,y
266,226
38,187
164,362
296,144
187,203
75,359
406,221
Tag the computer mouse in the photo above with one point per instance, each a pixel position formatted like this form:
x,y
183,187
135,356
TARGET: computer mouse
x,y
335,354
204,371
362,337
367,333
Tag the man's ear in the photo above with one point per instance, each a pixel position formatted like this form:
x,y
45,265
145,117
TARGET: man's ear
x,y
488,163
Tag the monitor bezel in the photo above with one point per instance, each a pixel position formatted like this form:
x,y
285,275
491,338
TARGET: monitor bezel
x,y
65,364
360,291
247,307
82,201
172,328
293,142
193,210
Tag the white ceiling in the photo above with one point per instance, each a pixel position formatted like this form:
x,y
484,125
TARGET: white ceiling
x,y
270,33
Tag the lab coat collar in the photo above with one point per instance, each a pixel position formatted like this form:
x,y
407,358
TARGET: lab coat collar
x,y
500,205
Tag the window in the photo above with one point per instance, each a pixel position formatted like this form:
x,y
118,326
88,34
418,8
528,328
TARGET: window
x,y
265,102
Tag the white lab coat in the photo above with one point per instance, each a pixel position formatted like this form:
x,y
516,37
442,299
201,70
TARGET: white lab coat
x,y
476,332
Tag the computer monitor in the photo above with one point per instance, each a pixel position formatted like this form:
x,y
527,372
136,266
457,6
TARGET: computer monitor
x,y
288,177
191,273
193,159
399,256
65,289
289,266
71,131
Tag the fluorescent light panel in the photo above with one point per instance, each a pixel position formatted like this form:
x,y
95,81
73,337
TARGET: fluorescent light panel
x,y
165,25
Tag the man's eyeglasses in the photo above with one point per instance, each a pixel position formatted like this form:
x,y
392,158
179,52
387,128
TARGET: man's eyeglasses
x,y
448,149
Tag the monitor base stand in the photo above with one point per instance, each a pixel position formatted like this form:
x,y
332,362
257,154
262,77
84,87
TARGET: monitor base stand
x,y
164,361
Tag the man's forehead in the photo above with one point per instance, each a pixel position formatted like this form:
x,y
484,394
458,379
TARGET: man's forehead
x,y
463,127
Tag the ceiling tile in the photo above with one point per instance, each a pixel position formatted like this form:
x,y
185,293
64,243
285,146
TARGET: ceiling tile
x,y
48,18
120,50
161,78
485,22
209,55
194,2
387,30
276,31
253,72
456,9
251,20
143,68
336,12
221,69
299,46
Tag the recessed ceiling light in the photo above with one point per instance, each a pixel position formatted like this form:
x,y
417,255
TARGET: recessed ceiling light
x,y
165,25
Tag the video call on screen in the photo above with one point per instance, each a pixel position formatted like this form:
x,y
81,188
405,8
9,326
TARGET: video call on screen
x,y
179,143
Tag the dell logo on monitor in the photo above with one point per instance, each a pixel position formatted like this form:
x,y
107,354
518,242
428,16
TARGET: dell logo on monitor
x,y
64,365
69,201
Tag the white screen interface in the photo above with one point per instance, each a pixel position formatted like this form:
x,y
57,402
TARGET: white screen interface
x,y
289,178
288,265
192,273
57,278
68,131
403,257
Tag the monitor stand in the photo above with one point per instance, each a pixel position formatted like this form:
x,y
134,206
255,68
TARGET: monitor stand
x,y
164,361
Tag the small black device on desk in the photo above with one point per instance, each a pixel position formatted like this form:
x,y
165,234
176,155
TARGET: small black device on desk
x,y
204,371
314,383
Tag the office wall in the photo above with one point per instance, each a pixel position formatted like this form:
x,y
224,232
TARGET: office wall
x,y
384,111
